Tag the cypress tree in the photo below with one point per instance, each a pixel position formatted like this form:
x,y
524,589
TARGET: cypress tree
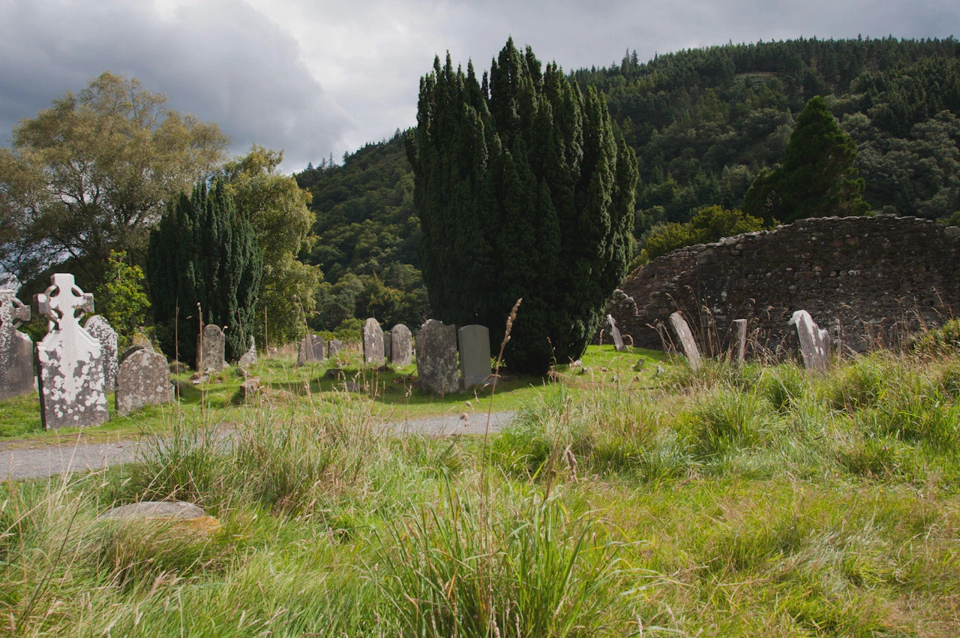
x,y
204,252
522,191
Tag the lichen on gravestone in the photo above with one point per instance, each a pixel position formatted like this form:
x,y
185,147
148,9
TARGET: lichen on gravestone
x,y
16,348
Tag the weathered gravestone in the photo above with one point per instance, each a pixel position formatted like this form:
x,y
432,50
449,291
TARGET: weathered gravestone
x,y
310,350
16,349
372,342
70,376
615,334
143,379
401,345
687,342
334,348
437,357
474,355
250,356
140,339
102,331
739,344
212,347
814,342
387,344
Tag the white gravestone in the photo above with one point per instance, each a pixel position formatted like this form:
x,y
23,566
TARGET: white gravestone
x,y
814,342
69,360
102,331
615,333
687,342
16,349
474,355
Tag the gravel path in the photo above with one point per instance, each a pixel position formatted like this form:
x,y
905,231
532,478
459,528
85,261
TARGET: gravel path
x,y
25,463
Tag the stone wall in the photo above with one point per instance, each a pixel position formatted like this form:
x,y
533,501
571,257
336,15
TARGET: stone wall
x,y
869,280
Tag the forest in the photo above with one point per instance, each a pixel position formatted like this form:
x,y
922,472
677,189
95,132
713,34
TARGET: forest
x,y
703,123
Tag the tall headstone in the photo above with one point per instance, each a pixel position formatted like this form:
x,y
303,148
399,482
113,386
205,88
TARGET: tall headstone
x,y
372,342
212,349
69,359
687,342
16,348
319,350
401,345
334,348
310,350
814,342
739,340
250,356
143,379
102,331
615,334
387,344
474,355
437,357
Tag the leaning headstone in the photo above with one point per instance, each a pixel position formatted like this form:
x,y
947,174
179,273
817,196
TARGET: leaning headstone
x,y
250,356
739,340
334,348
16,348
69,360
814,342
437,357
212,349
687,342
372,342
103,332
615,333
474,355
387,344
143,379
401,346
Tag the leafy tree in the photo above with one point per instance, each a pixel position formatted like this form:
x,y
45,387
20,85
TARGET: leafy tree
x,y
204,256
818,177
522,192
277,209
710,224
91,175
121,297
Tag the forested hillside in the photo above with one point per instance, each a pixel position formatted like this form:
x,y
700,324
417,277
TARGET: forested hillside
x,y
703,122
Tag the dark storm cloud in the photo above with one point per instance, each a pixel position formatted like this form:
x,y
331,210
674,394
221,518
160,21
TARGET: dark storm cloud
x,y
222,61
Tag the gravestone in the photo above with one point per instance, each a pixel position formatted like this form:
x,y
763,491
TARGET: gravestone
x,y
401,345
250,356
334,348
16,348
739,344
211,349
474,355
387,344
103,332
814,342
70,376
615,333
437,357
372,342
143,379
687,342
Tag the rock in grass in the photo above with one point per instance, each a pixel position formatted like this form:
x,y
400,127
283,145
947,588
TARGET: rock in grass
x,y
179,514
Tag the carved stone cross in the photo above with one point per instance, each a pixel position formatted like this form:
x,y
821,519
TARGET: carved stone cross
x,y
16,348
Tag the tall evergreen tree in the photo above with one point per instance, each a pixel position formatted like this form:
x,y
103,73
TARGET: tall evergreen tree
x,y
522,191
818,177
204,252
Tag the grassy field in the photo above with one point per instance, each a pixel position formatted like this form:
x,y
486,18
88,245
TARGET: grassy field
x,y
754,501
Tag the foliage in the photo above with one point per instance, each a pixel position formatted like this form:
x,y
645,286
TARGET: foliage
x,y
121,298
91,175
522,192
710,224
941,340
204,257
818,177
277,209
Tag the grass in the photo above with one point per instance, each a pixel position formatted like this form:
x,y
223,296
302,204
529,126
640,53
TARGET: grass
x,y
752,501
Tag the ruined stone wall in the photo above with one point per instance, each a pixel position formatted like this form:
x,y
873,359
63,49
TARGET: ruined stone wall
x,y
869,280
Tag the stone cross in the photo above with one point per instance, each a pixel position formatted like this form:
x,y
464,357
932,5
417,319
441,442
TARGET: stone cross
x,y
739,344
687,342
437,357
70,359
102,331
615,333
372,342
16,348
474,355
143,379
814,342
401,346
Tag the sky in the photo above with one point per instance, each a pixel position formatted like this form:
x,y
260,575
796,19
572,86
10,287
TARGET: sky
x,y
317,78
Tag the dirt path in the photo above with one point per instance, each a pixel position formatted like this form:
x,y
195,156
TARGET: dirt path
x,y
19,462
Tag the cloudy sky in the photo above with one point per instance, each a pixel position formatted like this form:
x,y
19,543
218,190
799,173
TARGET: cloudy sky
x,y
321,77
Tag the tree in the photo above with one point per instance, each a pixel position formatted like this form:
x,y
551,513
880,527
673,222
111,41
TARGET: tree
x,y
204,256
91,175
818,177
710,224
522,192
121,298
277,209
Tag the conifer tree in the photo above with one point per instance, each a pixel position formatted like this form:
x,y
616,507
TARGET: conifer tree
x,y
818,177
522,192
204,252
